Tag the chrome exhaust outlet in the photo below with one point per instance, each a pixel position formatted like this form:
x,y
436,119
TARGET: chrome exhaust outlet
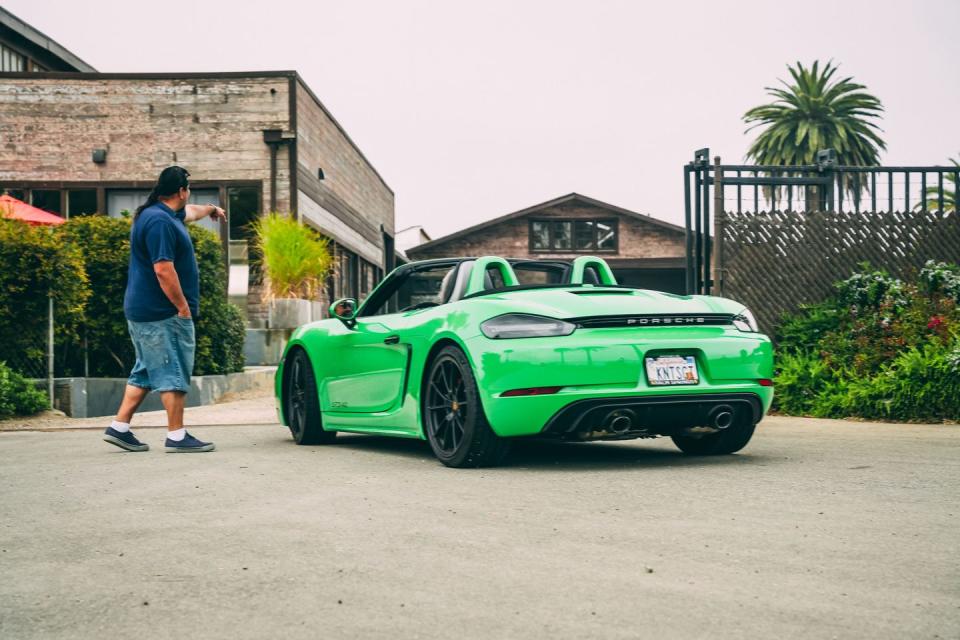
x,y
720,417
619,421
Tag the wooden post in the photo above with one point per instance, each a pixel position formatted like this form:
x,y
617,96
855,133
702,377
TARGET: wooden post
x,y
718,223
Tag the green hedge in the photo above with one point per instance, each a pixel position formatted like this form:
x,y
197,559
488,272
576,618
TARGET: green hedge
x,y
880,348
34,261
85,263
105,246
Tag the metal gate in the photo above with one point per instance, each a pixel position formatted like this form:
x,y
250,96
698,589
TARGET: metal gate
x,y
775,237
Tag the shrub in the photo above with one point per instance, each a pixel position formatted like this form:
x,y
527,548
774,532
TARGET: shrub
x,y
34,262
294,258
220,326
105,246
881,348
18,396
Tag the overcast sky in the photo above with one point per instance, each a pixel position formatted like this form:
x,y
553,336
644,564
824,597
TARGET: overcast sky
x,y
471,110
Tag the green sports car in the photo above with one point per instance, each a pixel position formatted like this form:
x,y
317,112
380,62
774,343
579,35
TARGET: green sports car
x,y
470,353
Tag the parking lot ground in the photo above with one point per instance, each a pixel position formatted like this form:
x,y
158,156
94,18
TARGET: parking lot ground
x,y
818,529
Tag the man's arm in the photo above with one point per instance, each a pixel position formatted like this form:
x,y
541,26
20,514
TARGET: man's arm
x,y
200,211
170,283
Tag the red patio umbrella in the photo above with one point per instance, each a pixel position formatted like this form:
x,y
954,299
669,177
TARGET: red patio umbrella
x,y
17,209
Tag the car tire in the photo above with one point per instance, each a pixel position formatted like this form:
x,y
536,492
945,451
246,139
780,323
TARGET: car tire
x,y
453,418
727,441
301,402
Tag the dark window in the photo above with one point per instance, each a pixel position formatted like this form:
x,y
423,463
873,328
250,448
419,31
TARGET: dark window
x,y
46,199
562,236
369,278
569,236
585,237
243,207
19,194
606,236
540,235
81,202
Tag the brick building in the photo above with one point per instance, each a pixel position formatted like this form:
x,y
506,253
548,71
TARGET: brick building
x,y
642,251
77,142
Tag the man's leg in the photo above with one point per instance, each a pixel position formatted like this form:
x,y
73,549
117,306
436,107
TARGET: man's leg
x,y
133,396
173,402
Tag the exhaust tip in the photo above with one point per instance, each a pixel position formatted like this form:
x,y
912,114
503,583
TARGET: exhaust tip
x,y
720,417
619,421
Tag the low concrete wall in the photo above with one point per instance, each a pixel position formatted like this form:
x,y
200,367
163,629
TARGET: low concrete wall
x,y
92,397
264,346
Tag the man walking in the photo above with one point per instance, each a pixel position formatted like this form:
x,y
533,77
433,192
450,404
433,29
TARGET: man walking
x,y
161,302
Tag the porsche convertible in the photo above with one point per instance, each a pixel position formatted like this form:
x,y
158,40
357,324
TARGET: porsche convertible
x,y
471,353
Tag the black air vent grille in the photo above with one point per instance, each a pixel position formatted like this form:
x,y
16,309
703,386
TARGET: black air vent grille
x,y
655,320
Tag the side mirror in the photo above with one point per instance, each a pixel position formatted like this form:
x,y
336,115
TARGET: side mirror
x,y
345,310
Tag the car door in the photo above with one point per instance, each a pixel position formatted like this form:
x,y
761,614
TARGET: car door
x,y
369,362
368,374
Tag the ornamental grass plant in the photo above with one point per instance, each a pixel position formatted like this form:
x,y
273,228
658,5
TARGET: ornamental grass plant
x,y
294,258
880,348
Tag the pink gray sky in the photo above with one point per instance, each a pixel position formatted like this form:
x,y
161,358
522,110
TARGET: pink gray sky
x,y
471,110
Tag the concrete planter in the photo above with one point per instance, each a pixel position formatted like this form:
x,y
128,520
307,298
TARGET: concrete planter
x,y
288,313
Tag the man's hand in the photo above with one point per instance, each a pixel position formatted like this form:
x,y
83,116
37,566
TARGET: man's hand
x,y
184,313
218,214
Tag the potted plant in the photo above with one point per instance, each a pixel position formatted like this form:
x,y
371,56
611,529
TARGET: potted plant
x,y
296,261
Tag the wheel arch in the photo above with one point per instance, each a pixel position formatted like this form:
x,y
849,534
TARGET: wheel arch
x,y
445,340
293,347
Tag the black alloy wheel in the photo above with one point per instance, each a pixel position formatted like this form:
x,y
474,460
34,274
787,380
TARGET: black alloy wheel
x,y
455,424
301,404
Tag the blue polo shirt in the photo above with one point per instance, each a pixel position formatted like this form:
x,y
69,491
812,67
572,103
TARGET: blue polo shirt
x,y
159,233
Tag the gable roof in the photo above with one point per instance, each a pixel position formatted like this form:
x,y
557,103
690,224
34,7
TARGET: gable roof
x,y
42,41
570,197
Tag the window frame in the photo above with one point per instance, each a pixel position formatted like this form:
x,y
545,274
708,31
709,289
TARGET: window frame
x,y
613,222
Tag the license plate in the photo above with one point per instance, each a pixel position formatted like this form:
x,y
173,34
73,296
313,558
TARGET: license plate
x,y
670,370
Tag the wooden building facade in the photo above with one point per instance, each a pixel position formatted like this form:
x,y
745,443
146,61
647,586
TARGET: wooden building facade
x,y
86,143
642,251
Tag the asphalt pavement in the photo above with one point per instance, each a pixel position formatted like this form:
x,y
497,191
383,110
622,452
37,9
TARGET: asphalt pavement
x,y
818,529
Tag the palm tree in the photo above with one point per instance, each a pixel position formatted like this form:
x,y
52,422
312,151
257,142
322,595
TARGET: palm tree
x,y
932,194
813,113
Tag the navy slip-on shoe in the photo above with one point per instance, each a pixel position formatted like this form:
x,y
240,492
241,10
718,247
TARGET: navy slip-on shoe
x,y
189,444
125,440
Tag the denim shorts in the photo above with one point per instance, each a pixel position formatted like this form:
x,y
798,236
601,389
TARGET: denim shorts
x,y
165,351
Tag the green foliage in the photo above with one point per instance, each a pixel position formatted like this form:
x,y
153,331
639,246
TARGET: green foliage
x,y
220,326
813,113
105,246
18,396
295,259
880,349
34,262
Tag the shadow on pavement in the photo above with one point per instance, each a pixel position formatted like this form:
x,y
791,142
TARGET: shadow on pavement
x,y
532,453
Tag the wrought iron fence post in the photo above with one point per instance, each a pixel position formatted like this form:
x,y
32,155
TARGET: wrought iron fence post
x,y
826,159
50,346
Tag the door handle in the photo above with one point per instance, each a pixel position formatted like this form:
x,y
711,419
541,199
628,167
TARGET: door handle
x,y
392,340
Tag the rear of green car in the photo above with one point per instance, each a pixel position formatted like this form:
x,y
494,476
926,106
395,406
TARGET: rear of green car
x,y
596,383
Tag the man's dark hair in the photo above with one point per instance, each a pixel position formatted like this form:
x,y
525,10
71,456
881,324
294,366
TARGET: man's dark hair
x,y
171,180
